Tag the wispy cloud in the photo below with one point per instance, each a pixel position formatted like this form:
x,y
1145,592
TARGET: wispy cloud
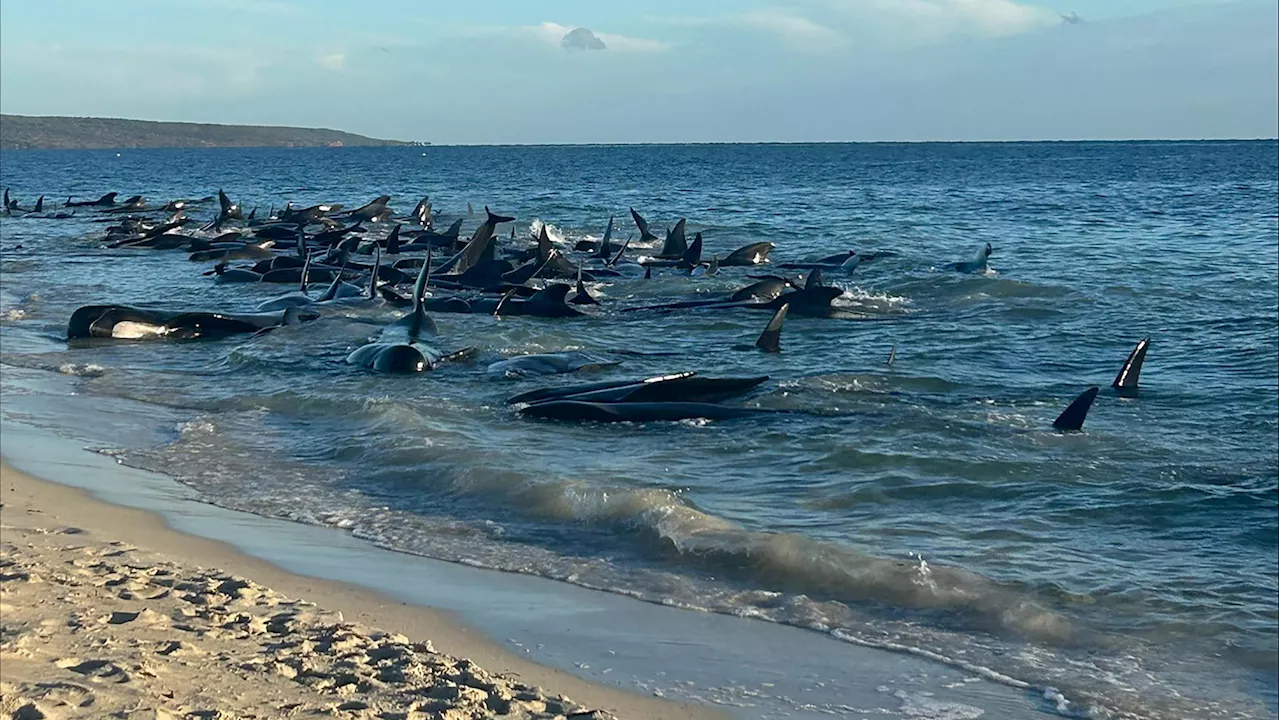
x,y
333,61
794,29
824,25
935,17
625,43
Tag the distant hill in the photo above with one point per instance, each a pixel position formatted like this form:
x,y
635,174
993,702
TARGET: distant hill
x,y
18,132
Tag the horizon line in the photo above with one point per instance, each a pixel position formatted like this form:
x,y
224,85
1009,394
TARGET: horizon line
x,y
428,143
421,145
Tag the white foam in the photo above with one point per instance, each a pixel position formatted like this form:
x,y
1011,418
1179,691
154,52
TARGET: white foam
x,y
89,370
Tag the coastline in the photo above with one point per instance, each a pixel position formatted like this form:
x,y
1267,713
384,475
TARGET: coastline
x,y
44,521
558,636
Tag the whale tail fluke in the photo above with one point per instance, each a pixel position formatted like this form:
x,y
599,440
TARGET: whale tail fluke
x,y
493,219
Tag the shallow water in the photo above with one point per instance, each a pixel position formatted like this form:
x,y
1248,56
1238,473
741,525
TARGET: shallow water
x,y
926,505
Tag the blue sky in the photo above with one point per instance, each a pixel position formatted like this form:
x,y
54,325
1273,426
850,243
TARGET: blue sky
x,y
691,71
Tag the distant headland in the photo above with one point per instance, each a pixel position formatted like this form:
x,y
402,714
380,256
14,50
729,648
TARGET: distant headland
x,y
21,132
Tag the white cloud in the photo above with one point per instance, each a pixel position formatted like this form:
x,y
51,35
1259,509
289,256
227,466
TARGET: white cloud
x,y
333,61
623,43
548,32
990,17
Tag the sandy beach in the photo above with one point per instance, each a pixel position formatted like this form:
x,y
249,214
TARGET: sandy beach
x,y
107,612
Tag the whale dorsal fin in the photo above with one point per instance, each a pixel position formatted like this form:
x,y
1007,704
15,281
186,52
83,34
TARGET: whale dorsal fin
x,y
497,309
545,248
616,258
1128,376
393,240
641,224
675,245
602,252
332,291
1073,417
770,339
306,274
893,355
581,296
373,275
608,234
693,254
814,280
420,286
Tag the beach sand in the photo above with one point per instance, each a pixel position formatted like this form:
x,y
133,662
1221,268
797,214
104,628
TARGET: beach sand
x,y
105,611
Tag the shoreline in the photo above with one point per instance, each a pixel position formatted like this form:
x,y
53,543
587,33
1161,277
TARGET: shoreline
x,y
36,509
719,664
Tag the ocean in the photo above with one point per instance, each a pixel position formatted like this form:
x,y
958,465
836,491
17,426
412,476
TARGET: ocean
x,y
925,506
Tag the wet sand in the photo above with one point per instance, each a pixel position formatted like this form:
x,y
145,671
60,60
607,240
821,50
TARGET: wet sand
x,y
107,611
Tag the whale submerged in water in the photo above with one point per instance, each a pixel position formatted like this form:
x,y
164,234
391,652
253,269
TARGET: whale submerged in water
x,y
400,349
123,322
548,364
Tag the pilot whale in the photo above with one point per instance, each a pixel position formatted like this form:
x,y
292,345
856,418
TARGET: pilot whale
x,y
580,411
129,323
1126,382
549,364
978,264
688,386
401,349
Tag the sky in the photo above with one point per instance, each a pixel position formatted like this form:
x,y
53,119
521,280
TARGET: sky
x,y
588,71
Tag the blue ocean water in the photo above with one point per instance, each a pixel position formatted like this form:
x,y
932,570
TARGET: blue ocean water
x,y
924,507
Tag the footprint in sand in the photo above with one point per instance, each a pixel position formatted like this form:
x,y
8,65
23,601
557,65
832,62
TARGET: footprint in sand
x,y
100,670
143,617
63,694
177,648
146,592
